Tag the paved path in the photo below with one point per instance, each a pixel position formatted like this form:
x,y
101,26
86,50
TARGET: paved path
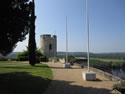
x,y
69,81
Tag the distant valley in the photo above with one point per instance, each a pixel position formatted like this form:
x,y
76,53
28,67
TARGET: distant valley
x,y
81,54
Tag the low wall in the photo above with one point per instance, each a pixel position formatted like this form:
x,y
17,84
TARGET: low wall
x,y
105,74
62,60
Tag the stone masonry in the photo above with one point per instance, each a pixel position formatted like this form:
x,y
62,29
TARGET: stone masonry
x,y
48,45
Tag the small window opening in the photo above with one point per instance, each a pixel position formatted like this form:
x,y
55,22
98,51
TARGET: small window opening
x,y
50,47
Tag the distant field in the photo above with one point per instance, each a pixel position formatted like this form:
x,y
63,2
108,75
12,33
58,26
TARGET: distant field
x,y
107,63
21,78
109,60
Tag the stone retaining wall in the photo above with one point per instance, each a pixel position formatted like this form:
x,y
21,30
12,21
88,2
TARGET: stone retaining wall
x,y
62,60
105,74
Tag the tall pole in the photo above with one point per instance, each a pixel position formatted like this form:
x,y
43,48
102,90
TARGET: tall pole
x,y
55,47
87,23
66,42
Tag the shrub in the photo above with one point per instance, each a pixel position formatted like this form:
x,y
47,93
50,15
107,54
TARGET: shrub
x,y
43,58
21,57
24,56
37,59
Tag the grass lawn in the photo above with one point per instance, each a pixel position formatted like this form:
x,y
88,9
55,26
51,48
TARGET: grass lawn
x,y
21,78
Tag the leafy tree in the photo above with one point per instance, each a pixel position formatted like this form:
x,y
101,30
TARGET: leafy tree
x,y
32,42
24,56
15,23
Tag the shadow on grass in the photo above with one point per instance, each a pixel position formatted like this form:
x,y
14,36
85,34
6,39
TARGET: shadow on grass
x,y
66,87
22,83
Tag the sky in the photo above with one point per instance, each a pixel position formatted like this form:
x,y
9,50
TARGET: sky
x,y
106,24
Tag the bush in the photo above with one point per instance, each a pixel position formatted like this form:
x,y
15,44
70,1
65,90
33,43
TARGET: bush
x,y
123,66
43,58
21,57
24,56
3,59
37,59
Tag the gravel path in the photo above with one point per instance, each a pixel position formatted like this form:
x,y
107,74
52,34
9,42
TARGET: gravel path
x,y
69,81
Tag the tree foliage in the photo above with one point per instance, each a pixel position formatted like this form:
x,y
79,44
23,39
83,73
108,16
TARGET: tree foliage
x,y
24,56
15,23
32,42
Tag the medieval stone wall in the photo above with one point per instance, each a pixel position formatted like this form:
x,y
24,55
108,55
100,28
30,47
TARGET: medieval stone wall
x,y
48,45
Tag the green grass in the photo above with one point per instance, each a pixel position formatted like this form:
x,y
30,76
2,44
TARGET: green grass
x,y
21,78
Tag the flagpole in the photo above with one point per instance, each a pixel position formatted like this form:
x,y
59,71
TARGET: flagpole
x,y
87,23
66,42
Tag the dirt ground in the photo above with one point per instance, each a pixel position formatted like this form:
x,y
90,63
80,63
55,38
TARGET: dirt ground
x,y
70,81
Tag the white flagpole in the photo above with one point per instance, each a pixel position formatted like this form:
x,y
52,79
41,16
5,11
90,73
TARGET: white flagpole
x,y
66,42
87,23
55,48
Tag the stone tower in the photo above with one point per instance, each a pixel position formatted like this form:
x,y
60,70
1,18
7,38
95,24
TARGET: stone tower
x,y
48,45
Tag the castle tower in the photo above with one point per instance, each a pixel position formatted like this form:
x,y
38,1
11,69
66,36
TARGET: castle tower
x,y
48,45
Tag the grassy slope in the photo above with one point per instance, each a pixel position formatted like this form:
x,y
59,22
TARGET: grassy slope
x,y
21,78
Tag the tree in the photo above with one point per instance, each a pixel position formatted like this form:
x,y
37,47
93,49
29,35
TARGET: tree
x,y
24,55
15,23
32,42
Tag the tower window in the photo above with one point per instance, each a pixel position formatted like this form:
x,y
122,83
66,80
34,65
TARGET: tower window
x,y
50,46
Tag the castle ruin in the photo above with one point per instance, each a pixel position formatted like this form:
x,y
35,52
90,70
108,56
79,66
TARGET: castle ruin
x,y
48,45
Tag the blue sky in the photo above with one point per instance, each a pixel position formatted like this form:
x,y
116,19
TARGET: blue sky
x,y
106,19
